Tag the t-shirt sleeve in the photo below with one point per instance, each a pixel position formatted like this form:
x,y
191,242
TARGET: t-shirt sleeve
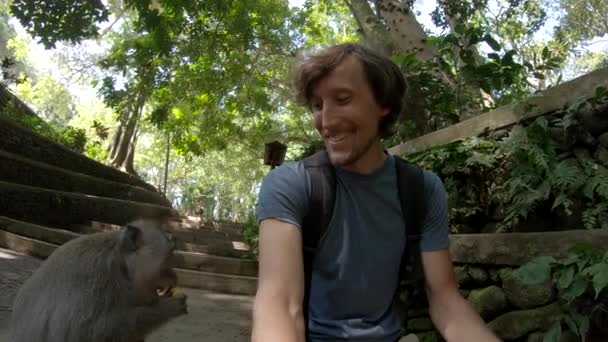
x,y
435,227
284,194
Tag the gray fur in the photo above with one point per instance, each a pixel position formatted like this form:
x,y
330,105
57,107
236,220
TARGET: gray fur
x,y
96,288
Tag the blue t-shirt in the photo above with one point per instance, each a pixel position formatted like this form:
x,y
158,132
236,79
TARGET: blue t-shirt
x,y
357,267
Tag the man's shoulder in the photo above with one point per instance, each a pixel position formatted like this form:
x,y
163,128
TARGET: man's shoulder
x,y
290,172
289,178
431,180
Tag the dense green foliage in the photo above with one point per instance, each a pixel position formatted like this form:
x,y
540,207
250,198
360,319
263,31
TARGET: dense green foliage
x,y
581,279
53,21
213,77
527,172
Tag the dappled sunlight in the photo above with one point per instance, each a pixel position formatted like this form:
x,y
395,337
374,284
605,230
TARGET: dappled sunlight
x,y
5,255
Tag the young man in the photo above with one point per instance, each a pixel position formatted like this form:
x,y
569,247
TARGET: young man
x,y
355,96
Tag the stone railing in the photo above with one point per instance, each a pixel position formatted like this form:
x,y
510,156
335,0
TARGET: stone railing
x,y
484,271
504,117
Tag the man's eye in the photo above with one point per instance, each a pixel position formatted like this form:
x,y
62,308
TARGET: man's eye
x,y
343,99
316,106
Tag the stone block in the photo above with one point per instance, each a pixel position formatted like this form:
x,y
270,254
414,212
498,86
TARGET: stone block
x,y
517,324
488,302
525,296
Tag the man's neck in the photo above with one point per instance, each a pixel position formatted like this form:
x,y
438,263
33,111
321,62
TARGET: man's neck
x,y
371,161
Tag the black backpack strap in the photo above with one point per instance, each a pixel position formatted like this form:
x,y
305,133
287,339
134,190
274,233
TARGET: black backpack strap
x,y
410,178
321,205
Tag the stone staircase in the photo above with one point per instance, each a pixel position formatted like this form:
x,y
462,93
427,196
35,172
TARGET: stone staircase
x,y
50,195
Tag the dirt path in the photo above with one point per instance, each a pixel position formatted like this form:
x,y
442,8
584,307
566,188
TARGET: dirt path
x,y
211,318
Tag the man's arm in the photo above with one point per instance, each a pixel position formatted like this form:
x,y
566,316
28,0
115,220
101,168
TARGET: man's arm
x,y
452,315
277,308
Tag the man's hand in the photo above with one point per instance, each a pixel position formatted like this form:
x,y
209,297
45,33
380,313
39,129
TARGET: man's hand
x,y
277,309
453,316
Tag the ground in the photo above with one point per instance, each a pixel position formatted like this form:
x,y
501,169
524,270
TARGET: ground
x,y
212,317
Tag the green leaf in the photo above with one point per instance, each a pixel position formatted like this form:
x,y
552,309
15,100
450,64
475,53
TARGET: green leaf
x,y
554,334
494,56
577,288
577,323
571,323
600,91
460,28
566,277
507,59
491,42
536,271
583,323
600,276
569,260
545,53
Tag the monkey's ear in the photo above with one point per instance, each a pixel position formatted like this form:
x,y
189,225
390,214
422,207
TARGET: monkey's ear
x,y
131,238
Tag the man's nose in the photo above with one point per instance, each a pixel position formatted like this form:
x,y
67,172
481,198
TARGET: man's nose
x,y
327,113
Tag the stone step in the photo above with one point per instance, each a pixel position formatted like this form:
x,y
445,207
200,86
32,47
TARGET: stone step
x,y
202,236
61,209
231,232
26,245
51,235
22,141
221,283
197,222
187,259
216,264
226,248
198,236
20,170
223,248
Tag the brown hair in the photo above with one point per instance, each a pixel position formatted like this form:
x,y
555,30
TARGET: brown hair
x,y
383,75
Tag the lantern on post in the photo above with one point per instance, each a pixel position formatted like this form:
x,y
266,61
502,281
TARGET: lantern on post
x,y
274,154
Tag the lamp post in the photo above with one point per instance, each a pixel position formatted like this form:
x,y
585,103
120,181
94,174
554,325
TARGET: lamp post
x,y
274,154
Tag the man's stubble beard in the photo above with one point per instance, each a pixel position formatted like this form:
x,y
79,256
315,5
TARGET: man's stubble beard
x,y
356,154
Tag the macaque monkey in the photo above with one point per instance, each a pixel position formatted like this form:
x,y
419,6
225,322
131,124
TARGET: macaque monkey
x,y
101,287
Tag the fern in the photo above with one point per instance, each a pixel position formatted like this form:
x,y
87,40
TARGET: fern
x,y
562,200
596,216
522,172
567,175
601,179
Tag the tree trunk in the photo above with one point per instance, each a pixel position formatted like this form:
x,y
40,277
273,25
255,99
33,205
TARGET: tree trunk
x,y
373,30
167,163
125,142
129,166
115,142
407,34
387,34
405,31
394,29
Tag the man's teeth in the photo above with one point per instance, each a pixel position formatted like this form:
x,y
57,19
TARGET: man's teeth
x,y
337,139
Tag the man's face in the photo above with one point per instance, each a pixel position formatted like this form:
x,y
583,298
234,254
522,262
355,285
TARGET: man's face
x,y
346,113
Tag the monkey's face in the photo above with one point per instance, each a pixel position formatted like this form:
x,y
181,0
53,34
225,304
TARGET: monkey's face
x,y
151,262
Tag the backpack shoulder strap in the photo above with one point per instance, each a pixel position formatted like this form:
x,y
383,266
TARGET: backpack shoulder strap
x,y
321,205
320,210
410,179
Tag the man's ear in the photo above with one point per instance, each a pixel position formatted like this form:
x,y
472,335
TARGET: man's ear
x,y
131,238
